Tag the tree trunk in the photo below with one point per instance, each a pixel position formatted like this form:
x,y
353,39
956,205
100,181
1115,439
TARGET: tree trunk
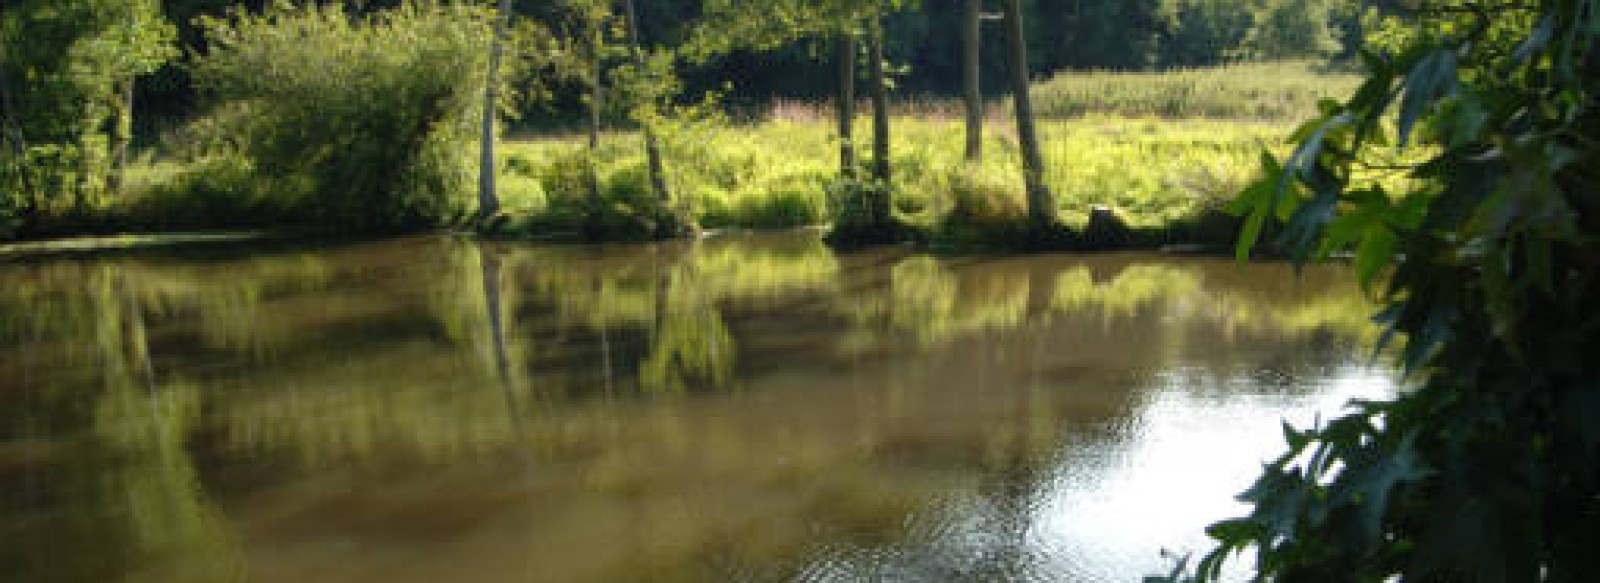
x,y
652,147
845,52
596,101
879,205
971,38
1041,202
121,137
488,199
596,106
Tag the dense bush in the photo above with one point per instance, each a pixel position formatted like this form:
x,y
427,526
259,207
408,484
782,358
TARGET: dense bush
x,y
354,122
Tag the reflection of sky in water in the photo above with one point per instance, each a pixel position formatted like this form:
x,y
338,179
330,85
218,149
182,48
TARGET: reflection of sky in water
x,y
1116,499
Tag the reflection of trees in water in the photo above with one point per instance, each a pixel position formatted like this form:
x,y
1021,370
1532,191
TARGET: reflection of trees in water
x,y
130,506
414,350
369,347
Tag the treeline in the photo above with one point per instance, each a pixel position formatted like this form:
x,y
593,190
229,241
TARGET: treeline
x,y
921,40
357,113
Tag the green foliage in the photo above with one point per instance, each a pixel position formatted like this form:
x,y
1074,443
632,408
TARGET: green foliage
x,y
355,122
1489,468
1270,91
1156,175
63,65
1291,28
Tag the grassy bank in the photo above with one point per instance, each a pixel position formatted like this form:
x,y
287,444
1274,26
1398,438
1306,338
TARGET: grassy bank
x,y
1160,150
1154,174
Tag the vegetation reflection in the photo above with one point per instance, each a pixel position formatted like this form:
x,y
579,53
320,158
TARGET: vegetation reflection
x,y
649,374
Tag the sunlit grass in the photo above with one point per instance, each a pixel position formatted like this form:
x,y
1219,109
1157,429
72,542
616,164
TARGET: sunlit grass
x,y
774,174
1261,91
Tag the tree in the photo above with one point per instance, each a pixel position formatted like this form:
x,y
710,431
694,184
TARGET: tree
x,y
1197,33
879,85
1291,28
866,214
1488,467
1041,202
971,70
488,199
652,148
65,66
845,103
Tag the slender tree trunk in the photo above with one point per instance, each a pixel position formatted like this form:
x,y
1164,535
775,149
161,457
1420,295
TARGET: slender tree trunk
x,y
596,106
971,38
488,199
652,147
597,94
880,124
845,52
121,137
1041,202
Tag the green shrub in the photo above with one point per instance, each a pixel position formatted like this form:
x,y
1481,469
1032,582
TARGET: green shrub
x,y
350,122
218,192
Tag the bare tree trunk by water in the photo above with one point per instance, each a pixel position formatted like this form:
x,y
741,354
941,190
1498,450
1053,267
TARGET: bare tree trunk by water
x,y
652,147
845,52
1041,202
971,69
488,199
879,205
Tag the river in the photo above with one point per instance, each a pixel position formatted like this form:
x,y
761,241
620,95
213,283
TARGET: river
x,y
742,408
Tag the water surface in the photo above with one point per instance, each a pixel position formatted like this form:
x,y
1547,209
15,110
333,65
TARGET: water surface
x,y
744,408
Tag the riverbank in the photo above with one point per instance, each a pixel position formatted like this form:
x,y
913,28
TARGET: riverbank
x,y
1152,155
1164,181
1119,183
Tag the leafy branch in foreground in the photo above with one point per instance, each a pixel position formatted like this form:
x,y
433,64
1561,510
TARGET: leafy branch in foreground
x,y
1488,467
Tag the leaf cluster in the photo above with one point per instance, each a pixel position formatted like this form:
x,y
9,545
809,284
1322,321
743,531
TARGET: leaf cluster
x,y
1488,468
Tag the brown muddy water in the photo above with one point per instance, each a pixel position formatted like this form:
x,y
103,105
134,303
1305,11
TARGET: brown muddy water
x,y
743,408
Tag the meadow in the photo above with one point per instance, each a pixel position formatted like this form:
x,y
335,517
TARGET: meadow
x,y
1151,172
1163,151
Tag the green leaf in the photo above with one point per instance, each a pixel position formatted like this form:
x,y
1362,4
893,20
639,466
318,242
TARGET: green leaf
x,y
1237,530
1375,252
1372,475
1433,77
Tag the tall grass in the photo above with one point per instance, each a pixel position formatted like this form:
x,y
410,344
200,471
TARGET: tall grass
x,y
1153,173
1268,91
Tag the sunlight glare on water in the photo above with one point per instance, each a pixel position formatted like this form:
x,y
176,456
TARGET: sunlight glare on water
x,y
1176,467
